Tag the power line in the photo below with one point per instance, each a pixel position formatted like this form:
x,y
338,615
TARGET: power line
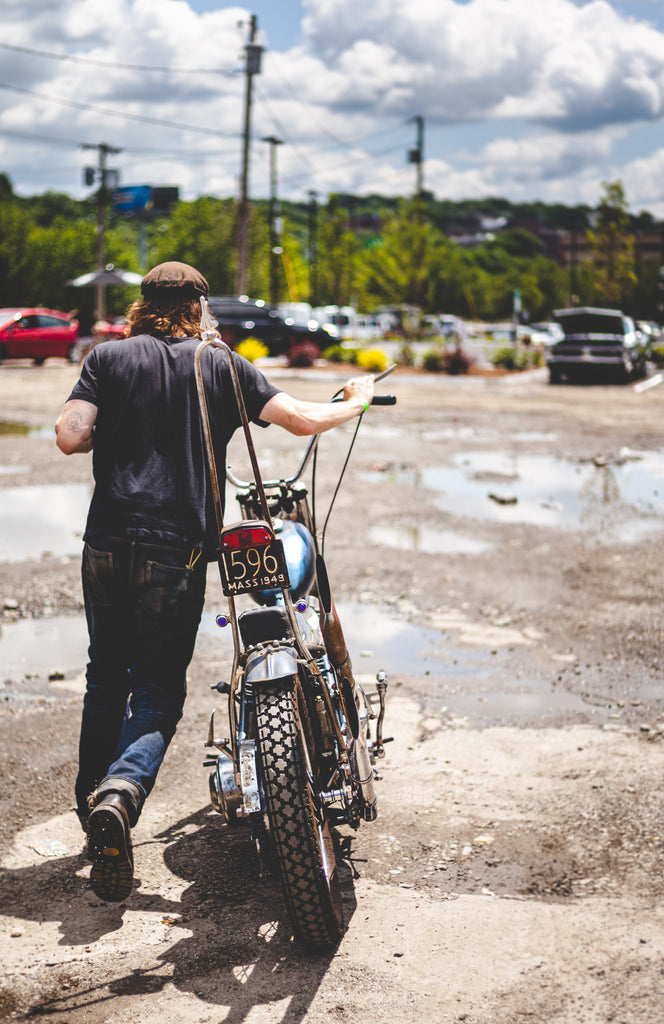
x,y
342,143
38,138
116,64
166,154
282,131
289,179
294,96
117,113
325,174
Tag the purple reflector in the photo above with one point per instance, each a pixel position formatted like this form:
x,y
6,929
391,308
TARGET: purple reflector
x,y
301,606
222,620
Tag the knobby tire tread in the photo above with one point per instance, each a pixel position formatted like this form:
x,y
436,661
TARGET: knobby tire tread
x,y
313,902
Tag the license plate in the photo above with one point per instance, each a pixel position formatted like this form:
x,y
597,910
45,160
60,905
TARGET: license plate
x,y
256,567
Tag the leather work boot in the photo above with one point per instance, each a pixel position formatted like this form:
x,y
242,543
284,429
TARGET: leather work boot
x,y
109,844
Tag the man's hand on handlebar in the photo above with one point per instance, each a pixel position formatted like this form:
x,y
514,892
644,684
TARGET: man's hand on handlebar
x,y
307,418
361,388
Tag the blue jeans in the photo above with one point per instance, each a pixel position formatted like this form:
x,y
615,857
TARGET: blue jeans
x,y
143,605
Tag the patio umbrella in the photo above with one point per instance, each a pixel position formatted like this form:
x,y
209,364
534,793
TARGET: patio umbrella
x,y
109,275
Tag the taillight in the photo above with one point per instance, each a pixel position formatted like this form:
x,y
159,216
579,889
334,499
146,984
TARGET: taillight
x,y
247,537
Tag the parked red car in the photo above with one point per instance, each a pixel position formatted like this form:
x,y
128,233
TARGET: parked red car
x,y
110,330
37,334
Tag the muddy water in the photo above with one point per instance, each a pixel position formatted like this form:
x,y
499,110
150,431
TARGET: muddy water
x,y
36,520
423,538
619,497
453,676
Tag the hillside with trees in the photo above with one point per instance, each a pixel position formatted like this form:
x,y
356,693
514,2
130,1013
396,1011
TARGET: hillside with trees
x,y
465,258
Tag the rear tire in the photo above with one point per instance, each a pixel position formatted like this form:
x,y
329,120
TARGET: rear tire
x,y
299,828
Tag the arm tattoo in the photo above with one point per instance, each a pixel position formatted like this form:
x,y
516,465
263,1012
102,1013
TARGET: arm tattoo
x,y
75,422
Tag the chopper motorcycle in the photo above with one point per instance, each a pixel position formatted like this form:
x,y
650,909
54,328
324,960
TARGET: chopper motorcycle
x,y
300,756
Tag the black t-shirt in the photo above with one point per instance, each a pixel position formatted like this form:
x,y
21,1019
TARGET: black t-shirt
x,y
149,464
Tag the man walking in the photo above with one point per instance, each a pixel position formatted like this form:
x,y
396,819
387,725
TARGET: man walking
x,y
149,534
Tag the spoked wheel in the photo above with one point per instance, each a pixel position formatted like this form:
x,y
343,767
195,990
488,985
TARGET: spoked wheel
x,y
298,824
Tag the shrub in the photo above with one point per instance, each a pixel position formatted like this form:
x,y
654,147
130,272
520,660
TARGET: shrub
x,y
373,360
303,353
433,360
406,355
333,354
252,349
456,361
340,354
511,358
505,357
656,355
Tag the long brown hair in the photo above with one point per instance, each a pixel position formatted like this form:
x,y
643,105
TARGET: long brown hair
x,y
168,318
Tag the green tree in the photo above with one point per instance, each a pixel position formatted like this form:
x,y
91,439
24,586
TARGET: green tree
x,y
612,245
337,256
202,233
404,268
58,253
14,253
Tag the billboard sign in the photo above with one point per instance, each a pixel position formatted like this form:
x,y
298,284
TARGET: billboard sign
x,y
132,198
144,200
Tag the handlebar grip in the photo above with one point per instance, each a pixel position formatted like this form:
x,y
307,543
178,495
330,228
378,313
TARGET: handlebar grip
x,y
376,400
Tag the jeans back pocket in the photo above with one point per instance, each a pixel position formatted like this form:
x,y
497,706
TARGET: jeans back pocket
x,y
99,576
172,594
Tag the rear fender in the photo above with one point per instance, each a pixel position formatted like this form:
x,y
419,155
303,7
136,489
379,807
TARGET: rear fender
x,y
270,664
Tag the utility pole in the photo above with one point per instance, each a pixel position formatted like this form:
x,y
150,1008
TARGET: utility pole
x,y
573,257
252,67
312,248
273,214
107,179
416,155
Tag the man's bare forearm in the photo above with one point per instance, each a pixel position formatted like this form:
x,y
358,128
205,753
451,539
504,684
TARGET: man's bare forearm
x,y
74,429
306,418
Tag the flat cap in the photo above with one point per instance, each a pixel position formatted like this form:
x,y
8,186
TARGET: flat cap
x,y
173,280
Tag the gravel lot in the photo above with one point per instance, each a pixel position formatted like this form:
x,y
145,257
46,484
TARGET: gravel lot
x,y
496,547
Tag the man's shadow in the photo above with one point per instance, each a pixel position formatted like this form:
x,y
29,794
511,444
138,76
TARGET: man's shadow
x,y
239,949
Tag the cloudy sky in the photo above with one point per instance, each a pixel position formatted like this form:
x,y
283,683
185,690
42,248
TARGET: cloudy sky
x,y
527,99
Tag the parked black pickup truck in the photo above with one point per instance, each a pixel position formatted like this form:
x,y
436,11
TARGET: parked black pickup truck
x,y
596,340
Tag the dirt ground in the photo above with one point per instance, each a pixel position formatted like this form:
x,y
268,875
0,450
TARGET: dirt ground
x,y
515,872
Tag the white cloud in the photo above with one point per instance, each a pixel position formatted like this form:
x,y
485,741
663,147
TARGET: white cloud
x,y
570,78
578,65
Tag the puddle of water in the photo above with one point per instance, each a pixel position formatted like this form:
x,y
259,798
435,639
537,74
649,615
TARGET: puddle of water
x,y
38,646
416,538
511,705
10,427
543,490
549,491
377,639
45,518
533,435
474,434
32,648
380,640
